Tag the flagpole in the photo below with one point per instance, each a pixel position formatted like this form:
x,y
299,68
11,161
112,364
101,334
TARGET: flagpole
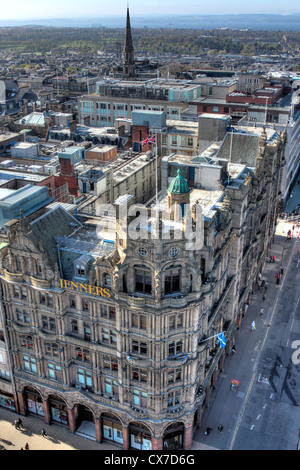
x,y
211,337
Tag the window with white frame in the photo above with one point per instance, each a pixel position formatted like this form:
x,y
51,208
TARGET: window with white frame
x,y
140,398
84,378
54,372
111,387
30,364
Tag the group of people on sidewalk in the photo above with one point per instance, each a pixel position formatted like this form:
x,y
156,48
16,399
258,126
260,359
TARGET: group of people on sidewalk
x,y
19,426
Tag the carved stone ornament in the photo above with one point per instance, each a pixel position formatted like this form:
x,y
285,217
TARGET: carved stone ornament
x,y
49,274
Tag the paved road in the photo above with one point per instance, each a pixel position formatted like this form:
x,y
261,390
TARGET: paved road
x,y
265,412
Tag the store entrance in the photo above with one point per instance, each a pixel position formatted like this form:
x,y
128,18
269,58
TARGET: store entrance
x,y
85,422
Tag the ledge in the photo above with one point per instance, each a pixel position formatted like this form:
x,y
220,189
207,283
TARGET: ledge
x,y
14,277
42,283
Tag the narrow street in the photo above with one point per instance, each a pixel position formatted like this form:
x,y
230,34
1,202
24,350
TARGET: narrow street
x,y
264,414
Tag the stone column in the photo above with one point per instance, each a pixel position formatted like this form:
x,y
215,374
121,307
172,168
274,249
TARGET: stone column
x,y
188,437
47,414
126,442
20,403
72,421
98,429
157,443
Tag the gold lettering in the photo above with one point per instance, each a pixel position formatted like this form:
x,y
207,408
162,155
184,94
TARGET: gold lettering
x,y
93,290
106,293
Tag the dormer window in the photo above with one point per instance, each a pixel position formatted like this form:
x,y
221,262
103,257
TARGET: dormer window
x,y
80,270
107,280
81,267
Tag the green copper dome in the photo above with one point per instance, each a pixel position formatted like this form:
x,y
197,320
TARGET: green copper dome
x,y
179,185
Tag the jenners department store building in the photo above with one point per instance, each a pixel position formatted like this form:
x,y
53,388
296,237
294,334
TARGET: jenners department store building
x,y
114,338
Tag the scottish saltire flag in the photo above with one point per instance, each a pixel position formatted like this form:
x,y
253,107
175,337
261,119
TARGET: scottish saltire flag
x,y
149,140
221,339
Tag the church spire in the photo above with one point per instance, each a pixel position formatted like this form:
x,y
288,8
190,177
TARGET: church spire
x,y
128,51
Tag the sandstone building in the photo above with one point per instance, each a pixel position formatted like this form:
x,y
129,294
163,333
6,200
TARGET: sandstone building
x,y
113,333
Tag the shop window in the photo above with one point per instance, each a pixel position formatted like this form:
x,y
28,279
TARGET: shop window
x,y
112,430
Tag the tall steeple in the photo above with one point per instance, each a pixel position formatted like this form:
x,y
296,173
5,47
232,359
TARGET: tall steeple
x,y
128,52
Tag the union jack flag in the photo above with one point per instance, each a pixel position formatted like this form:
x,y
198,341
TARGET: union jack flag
x,y
149,140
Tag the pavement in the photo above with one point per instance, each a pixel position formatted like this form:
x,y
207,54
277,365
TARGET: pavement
x,y
58,437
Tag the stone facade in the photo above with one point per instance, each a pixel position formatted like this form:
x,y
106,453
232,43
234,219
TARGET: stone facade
x,y
123,336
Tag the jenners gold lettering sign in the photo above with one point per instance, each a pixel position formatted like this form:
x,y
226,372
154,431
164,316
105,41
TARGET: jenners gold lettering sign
x,y
85,288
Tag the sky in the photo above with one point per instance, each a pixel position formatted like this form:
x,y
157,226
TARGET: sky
x,y
35,9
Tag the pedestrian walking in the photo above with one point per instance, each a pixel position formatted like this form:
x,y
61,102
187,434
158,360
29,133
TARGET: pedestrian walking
x,y
281,270
220,428
264,297
253,327
27,446
44,434
265,287
261,310
17,425
208,431
277,278
273,259
233,349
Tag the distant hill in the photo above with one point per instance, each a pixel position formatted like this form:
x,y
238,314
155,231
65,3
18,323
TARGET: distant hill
x,y
255,22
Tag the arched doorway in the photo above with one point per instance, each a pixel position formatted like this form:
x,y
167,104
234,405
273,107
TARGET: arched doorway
x,y
33,402
85,425
58,410
173,437
111,428
139,437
